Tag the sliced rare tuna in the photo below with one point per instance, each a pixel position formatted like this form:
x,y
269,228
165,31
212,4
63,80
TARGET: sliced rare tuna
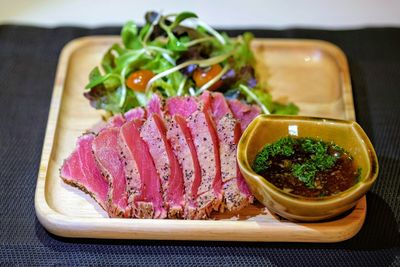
x,y
243,112
80,170
178,133
115,121
156,105
143,184
208,193
172,159
133,180
154,133
107,154
236,193
135,113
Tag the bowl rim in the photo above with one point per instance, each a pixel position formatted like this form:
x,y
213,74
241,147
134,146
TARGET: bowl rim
x,y
353,193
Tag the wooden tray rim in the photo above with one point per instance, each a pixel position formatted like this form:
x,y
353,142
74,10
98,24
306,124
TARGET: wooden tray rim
x,y
115,228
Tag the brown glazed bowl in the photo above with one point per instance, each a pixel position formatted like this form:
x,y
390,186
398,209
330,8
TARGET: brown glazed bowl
x,y
348,134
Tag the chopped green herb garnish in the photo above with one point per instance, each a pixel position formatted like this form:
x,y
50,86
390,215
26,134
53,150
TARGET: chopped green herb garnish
x,y
318,157
307,167
283,147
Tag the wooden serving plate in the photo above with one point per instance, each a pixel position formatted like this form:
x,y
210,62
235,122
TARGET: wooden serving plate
x,y
313,74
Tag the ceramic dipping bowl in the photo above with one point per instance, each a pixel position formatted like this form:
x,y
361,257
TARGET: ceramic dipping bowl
x,y
349,135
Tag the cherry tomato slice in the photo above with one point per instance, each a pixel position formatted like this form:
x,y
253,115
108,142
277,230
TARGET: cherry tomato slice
x,y
138,80
202,76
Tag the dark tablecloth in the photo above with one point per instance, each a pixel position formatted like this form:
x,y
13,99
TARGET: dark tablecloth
x,y
28,59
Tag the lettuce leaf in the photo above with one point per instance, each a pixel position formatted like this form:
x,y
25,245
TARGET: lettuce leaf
x,y
173,47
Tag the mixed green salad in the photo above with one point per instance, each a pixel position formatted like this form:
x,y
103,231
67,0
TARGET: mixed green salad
x,y
177,55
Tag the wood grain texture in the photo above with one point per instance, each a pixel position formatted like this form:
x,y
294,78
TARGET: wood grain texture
x,y
313,74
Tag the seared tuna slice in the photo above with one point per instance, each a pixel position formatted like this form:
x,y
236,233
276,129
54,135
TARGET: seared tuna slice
x,y
107,154
155,105
183,106
115,121
205,140
219,106
153,133
80,170
236,193
228,129
179,135
243,112
145,186
135,113
133,180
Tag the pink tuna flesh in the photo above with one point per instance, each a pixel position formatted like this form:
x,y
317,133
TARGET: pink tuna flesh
x,y
227,128
219,106
149,202
155,105
80,170
181,140
106,151
184,106
243,112
205,141
133,181
217,183
236,192
153,133
135,113
167,164
115,121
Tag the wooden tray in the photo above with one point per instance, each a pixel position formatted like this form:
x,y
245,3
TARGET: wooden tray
x,y
313,74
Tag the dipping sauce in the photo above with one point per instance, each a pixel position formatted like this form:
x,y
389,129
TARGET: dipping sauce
x,y
307,167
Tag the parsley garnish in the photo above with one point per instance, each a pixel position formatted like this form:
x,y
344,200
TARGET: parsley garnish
x,y
319,159
283,147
